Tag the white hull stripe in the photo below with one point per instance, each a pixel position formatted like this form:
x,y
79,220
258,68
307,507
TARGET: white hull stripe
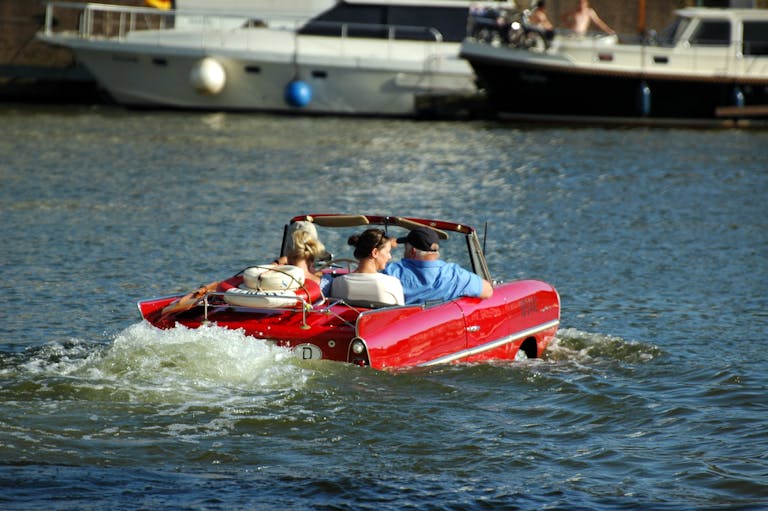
x,y
491,345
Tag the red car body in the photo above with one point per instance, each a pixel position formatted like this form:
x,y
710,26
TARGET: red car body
x,y
521,316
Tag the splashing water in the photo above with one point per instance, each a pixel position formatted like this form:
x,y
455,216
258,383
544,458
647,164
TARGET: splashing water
x,y
177,365
571,344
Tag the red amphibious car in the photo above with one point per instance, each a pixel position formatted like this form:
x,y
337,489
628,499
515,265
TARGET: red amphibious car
x,y
520,319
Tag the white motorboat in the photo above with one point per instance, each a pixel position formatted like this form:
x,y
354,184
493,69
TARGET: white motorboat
x,y
710,64
358,57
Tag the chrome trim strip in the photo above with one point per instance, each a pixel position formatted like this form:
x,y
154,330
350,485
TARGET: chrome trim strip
x,y
491,345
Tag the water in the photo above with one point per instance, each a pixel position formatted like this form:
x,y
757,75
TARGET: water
x,y
653,395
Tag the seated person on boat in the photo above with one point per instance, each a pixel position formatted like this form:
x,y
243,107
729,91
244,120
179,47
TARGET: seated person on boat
x,y
366,287
425,277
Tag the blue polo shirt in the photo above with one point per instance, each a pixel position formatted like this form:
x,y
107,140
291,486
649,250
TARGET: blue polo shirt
x,y
434,280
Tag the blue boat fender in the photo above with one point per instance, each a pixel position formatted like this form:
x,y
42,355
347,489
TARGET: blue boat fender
x,y
644,99
298,93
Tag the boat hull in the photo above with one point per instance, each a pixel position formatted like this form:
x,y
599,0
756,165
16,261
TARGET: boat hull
x,y
521,315
517,81
258,83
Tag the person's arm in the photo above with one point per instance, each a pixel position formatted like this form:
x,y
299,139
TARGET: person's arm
x,y
600,23
540,19
487,291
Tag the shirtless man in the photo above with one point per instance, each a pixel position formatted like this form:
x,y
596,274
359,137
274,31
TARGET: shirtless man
x,y
578,20
538,16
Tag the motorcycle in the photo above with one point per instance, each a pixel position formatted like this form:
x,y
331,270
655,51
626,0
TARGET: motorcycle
x,y
509,28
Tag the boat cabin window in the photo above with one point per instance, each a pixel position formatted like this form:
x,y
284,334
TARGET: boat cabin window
x,y
712,33
755,38
374,21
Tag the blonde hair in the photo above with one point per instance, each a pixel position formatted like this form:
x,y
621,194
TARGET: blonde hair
x,y
305,247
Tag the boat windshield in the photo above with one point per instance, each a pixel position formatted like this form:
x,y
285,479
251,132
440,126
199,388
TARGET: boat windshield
x,y
384,21
455,249
673,32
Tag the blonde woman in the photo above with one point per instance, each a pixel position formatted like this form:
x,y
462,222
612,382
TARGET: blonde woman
x,y
305,249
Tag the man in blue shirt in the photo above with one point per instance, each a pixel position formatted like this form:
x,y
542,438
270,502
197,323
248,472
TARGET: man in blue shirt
x,y
426,277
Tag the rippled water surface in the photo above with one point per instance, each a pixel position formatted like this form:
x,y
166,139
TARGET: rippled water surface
x,y
653,395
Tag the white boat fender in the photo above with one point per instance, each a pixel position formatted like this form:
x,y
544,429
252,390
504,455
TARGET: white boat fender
x,y
298,93
284,277
245,297
238,292
208,77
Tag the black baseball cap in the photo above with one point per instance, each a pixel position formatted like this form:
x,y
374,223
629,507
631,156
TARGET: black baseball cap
x,y
422,238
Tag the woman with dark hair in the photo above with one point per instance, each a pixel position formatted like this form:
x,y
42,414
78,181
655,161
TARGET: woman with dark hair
x,y
366,286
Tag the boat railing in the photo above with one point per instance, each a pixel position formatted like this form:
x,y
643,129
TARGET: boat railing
x,y
104,21
646,56
346,33
325,306
347,30
301,305
655,54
